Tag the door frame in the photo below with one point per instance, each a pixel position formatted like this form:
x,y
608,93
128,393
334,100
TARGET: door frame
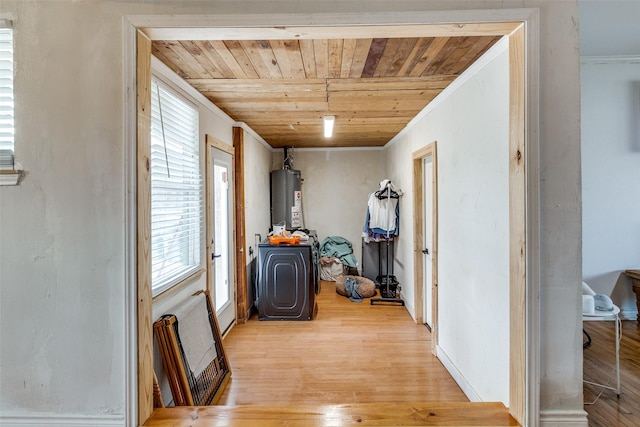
x,y
210,144
418,230
521,26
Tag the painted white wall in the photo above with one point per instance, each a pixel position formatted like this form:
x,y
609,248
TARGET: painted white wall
x,y
609,27
62,231
471,128
337,184
611,177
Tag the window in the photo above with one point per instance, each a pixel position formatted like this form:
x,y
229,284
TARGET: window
x,y
6,86
176,189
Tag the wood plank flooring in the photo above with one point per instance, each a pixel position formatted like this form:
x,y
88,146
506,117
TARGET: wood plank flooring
x,y
366,414
599,361
354,364
350,353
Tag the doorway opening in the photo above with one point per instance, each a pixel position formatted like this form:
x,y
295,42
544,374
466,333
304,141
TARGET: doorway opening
x,y
425,194
520,372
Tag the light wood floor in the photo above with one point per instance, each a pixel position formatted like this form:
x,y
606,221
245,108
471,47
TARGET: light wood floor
x,y
599,360
351,353
355,364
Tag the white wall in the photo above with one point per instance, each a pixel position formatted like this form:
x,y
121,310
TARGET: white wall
x,y
611,177
337,184
62,231
470,125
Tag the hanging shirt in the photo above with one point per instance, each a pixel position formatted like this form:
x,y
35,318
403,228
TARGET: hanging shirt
x,y
382,213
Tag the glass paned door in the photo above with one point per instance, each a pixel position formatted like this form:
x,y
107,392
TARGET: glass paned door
x,y
221,255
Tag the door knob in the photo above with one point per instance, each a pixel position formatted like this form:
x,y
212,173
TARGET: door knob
x,y
425,251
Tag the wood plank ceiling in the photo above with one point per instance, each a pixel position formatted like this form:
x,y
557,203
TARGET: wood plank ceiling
x,y
283,88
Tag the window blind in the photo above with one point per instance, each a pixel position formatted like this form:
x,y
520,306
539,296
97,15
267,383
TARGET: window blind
x,y
6,89
176,189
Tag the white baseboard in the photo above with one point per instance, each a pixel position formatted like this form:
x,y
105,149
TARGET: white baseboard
x,y
563,419
63,421
467,389
408,307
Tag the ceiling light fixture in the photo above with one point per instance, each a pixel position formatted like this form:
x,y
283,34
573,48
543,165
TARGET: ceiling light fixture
x,y
328,125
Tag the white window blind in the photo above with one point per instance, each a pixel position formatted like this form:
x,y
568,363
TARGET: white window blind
x,y
6,88
176,189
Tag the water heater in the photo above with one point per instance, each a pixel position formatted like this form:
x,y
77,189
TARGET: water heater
x,y
286,198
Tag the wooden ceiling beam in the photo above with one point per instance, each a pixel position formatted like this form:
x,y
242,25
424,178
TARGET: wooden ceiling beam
x,y
205,32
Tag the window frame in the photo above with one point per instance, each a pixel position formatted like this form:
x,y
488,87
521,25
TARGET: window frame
x,y
189,274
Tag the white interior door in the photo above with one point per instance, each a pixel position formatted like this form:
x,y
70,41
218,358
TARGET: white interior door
x,y
427,242
220,235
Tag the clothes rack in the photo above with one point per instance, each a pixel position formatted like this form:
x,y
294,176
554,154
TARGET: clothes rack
x,y
387,282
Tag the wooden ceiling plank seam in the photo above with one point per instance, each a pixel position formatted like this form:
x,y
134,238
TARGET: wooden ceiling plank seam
x,y
308,58
482,45
295,58
289,58
394,56
227,58
408,96
432,52
410,108
360,57
252,49
311,119
281,57
169,63
240,55
321,53
225,85
165,48
348,52
200,54
416,53
335,57
451,64
253,96
344,114
373,57
219,66
390,83
265,50
442,56
267,82
276,106
311,130
190,53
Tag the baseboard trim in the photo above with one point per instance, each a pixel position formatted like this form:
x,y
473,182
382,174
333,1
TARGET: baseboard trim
x,y
467,389
63,421
557,418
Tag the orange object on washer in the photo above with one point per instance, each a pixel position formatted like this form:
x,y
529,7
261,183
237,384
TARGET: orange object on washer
x,y
276,240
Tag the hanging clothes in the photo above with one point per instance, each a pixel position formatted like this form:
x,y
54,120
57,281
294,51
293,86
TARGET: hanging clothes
x,y
382,221
383,214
